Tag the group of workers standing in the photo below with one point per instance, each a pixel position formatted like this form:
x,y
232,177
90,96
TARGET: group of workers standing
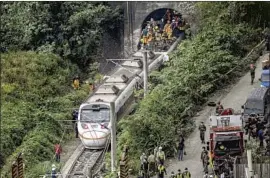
x,y
155,164
171,25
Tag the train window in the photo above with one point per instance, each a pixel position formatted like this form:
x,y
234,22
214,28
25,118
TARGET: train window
x,y
100,116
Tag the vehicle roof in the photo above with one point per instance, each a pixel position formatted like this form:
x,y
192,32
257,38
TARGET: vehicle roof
x,y
267,71
258,93
234,120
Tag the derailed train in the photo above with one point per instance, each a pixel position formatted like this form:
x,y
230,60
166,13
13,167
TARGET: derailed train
x,y
94,113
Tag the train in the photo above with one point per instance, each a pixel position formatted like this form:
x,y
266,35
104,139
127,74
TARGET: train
x,y
94,114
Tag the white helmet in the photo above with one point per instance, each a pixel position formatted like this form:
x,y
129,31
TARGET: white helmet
x,y
160,148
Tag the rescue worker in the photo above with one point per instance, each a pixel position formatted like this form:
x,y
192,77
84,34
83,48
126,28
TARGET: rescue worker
x,y
168,30
205,162
221,147
180,151
91,87
161,24
54,171
252,73
181,139
144,34
203,154
168,15
58,150
172,175
76,82
219,107
202,129
186,173
142,158
150,38
152,22
261,136
161,171
145,168
75,119
151,163
160,156
179,174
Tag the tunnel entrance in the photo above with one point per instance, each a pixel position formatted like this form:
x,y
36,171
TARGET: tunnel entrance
x,y
158,15
157,34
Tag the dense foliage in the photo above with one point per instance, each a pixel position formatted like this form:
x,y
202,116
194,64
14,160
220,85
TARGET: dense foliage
x,y
41,41
198,67
71,29
36,92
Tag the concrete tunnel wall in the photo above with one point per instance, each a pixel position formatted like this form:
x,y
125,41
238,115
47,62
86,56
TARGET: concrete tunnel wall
x,y
136,12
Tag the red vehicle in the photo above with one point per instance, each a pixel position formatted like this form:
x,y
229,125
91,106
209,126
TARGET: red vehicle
x,y
226,136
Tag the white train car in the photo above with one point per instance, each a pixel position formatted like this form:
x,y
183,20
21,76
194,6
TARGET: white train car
x,y
94,114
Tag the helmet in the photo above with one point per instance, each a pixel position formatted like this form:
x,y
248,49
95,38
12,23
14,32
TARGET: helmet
x,y
160,148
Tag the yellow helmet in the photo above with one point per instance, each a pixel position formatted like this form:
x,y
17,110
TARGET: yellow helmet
x,y
156,27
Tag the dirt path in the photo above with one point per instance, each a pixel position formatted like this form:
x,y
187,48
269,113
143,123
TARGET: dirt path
x,y
234,99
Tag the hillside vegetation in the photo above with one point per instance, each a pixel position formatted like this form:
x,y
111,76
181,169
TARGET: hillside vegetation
x,y
36,92
43,46
197,68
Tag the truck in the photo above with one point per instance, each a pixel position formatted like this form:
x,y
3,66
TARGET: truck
x,y
226,140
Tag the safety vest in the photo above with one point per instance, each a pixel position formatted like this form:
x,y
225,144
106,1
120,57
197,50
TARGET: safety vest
x,y
186,174
161,169
179,175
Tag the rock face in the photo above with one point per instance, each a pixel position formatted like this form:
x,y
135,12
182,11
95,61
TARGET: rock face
x,y
136,12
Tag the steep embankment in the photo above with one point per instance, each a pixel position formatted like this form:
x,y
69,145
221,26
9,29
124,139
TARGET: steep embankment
x,y
36,87
196,69
35,92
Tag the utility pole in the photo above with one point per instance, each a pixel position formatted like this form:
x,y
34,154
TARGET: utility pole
x,y
113,136
145,69
250,168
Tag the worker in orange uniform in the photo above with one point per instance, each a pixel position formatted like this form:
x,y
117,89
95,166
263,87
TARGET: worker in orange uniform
x,y
145,36
58,151
168,30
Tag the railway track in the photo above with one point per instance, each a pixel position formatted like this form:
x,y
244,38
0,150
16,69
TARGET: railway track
x,y
86,164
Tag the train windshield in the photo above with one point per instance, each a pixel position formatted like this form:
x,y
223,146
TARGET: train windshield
x,y
95,116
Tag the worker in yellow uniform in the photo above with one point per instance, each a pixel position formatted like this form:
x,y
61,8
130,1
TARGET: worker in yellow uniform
x,y
186,173
161,171
76,83
168,30
179,174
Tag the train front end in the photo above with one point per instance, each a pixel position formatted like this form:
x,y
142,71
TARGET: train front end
x,y
94,124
